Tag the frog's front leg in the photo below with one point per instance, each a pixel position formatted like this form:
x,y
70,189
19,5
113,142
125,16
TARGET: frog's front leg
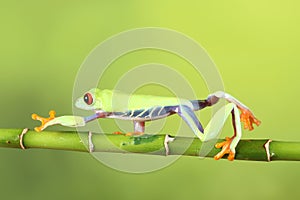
x,y
69,121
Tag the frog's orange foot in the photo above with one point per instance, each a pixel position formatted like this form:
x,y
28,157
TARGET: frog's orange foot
x,y
128,134
117,133
249,119
225,149
43,120
134,133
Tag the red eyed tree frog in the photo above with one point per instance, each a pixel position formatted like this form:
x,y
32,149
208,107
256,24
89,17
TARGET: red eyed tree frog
x,y
143,108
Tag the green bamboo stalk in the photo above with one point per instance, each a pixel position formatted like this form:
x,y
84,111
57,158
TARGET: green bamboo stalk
x,y
255,150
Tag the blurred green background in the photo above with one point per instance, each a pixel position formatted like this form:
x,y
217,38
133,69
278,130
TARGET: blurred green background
x,y
255,45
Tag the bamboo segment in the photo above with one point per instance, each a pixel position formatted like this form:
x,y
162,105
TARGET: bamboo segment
x,y
254,150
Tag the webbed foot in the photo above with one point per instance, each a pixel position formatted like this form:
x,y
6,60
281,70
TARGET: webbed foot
x,y
225,149
43,120
134,133
117,133
249,119
129,133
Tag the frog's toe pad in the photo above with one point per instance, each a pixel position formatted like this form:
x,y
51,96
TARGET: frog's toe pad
x,y
117,133
43,120
225,149
134,133
249,119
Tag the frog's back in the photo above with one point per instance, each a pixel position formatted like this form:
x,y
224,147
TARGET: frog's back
x,y
148,101
118,101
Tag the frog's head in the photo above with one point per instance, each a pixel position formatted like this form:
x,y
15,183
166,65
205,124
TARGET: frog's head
x,y
90,100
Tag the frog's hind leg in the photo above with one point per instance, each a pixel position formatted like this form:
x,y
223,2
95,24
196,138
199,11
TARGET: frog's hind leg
x,y
188,115
246,116
213,128
228,146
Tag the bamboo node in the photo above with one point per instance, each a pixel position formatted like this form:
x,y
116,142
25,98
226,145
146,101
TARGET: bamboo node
x,y
168,139
21,136
267,148
90,142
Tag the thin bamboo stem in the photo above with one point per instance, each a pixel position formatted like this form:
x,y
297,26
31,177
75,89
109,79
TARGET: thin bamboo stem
x,y
255,150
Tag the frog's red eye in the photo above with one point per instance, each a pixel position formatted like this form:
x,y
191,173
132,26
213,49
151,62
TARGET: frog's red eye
x,y
88,98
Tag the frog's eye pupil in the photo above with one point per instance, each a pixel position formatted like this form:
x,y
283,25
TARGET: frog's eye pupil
x,y
88,98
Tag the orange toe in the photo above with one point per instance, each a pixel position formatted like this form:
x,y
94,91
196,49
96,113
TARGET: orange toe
x,y
117,133
225,149
231,156
134,133
248,119
220,144
43,120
